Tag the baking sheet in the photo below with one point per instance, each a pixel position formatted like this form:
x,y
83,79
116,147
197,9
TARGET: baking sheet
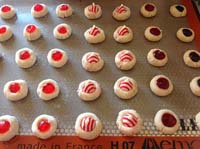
x,y
68,105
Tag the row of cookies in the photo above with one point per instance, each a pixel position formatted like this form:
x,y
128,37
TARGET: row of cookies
x,y
88,126
88,90
93,11
93,62
95,34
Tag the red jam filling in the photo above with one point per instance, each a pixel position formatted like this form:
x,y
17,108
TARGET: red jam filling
x,y
5,8
2,30
24,55
48,88
159,54
169,120
64,7
31,28
155,31
149,7
62,30
14,87
57,55
38,7
163,83
44,125
4,126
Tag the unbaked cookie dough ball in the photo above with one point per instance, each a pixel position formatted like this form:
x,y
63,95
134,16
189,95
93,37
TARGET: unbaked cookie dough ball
x,y
178,10
15,90
166,121
157,57
129,122
48,89
5,33
62,31
161,85
94,35
25,58
121,13
57,57
153,33
44,126
195,86
7,12
197,119
185,34
93,11
89,90
88,126
31,32
125,60
39,10
192,58
9,127
123,34
92,61
125,87
64,10
148,10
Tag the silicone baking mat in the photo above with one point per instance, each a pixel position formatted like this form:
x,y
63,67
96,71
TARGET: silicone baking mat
x,y
67,106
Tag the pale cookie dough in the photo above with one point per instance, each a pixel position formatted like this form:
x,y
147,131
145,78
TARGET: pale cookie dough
x,y
195,86
94,35
197,119
121,13
31,32
148,10
48,89
15,90
93,11
166,121
192,58
185,34
178,10
57,58
44,126
157,57
25,58
9,127
92,61
123,34
153,33
7,12
129,122
89,90
125,87
5,33
161,85
125,60
39,10
88,126
62,31
64,10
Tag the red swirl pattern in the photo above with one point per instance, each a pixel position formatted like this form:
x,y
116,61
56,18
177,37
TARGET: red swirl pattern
x,y
94,31
125,56
123,30
89,88
126,85
121,9
93,8
88,124
92,58
129,120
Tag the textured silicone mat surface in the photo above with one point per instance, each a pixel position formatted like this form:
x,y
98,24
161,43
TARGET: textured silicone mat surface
x,y
68,105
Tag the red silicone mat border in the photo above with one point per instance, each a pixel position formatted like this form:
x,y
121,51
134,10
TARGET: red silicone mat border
x,y
193,21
